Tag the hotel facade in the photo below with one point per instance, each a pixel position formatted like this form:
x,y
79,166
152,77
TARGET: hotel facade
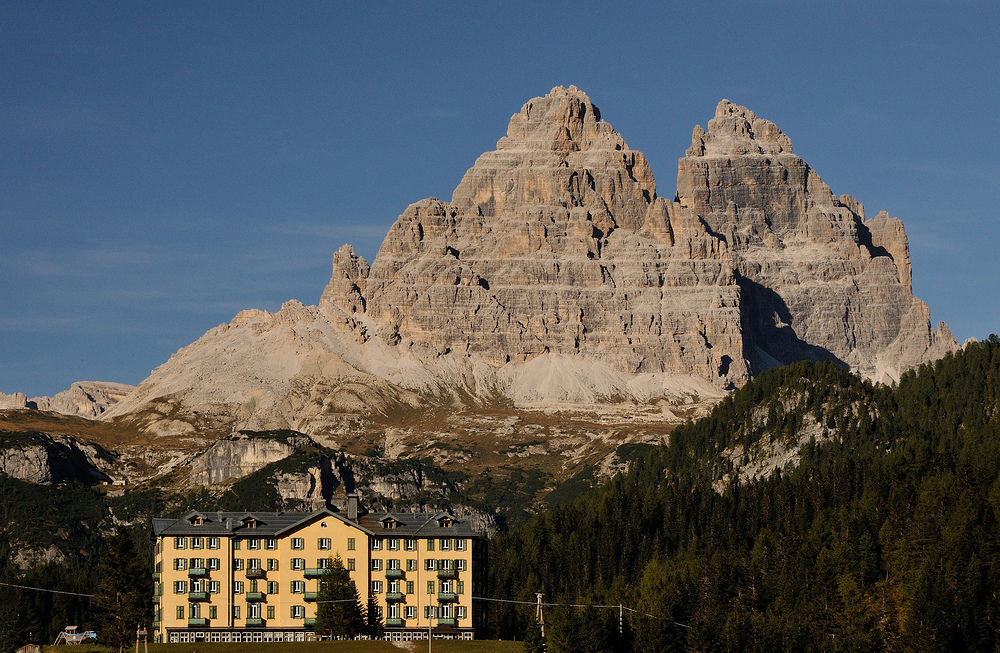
x,y
254,577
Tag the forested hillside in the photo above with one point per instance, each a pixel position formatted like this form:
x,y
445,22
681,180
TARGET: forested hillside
x,y
883,537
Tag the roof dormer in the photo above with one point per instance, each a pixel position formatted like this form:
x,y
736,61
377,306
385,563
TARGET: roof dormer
x,y
389,522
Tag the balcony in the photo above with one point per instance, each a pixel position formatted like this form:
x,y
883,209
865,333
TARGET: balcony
x,y
255,597
447,573
311,596
447,597
255,623
256,573
197,596
197,572
393,573
199,622
312,572
393,623
446,621
393,597
310,622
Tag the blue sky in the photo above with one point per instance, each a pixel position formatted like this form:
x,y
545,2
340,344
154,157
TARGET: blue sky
x,y
165,165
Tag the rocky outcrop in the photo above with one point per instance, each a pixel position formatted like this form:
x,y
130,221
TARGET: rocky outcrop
x,y
45,459
85,398
242,454
556,275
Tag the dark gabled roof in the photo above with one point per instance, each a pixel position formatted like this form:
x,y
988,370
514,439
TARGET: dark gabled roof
x,y
416,524
277,524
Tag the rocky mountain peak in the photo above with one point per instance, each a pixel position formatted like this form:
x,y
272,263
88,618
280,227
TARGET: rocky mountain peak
x,y
737,131
564,120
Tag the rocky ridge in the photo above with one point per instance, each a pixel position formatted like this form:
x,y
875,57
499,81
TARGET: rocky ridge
x,y
556,276
84,398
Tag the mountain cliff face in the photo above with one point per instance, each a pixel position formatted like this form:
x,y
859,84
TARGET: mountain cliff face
x,y
556,275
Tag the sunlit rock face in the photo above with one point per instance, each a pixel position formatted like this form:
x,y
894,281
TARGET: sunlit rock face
x,y
556,275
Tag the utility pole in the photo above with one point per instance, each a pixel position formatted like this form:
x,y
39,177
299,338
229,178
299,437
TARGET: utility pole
x,y
539,615
621,619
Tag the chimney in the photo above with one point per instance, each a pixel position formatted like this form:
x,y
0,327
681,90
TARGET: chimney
x,y
352,506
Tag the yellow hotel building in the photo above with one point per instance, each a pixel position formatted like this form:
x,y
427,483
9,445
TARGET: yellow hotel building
x,y
253,577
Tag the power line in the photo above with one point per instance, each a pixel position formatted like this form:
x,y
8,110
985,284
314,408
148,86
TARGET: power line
x,y
574,605
42,589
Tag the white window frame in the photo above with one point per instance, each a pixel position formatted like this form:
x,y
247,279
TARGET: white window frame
x,y
376,587
180,587
460,564
460,545
298,612
271,544
180,543
410,544
213,543
180,564
445,544
394,544
197,542
460,612
237,564
298,587
376,544
298,543
237,587
411,612
323,543
214,587
430,564
214,564
298,564
376,564
253,544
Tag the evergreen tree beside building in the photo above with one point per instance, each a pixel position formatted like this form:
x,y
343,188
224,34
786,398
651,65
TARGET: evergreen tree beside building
x,y
338,613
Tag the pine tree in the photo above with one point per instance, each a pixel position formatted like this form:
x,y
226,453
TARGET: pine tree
x,y
338,613
373,620
123,591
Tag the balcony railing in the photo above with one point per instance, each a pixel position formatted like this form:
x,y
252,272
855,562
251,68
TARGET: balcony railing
x,y
393,597
447,597
311,596
393,623
309,622
197,596
255,597
197,622
446,621
393,573
312,572
447,573
254,623
258,572
197,572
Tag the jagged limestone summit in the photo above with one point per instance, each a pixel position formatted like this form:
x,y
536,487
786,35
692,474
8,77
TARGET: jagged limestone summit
x,y
557,276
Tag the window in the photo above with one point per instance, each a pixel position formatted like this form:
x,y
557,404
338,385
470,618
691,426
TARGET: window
x,y
445,586
445,611
460,545
411,565
298,564
376,544
460,589
409,587
237,564
214,563
213,611
180,612
270,612
197,542
237,587
350,544
430,564
323,544
445,544
410,545
271,544
430,587
253,611
180,542
444,564
298,587
236,612
213,543
411,612
213,587
376,564
376,587
197,563
180,564
460,564
253,563
394,545
430,544
429,611
298,612
298,543
196,586
350,564
322,563
180,587
272,587
253,586
236,545
253,544
394,611
392,564
272,564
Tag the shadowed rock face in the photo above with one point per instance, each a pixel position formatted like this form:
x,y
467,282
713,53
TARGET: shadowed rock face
x,y
556,275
